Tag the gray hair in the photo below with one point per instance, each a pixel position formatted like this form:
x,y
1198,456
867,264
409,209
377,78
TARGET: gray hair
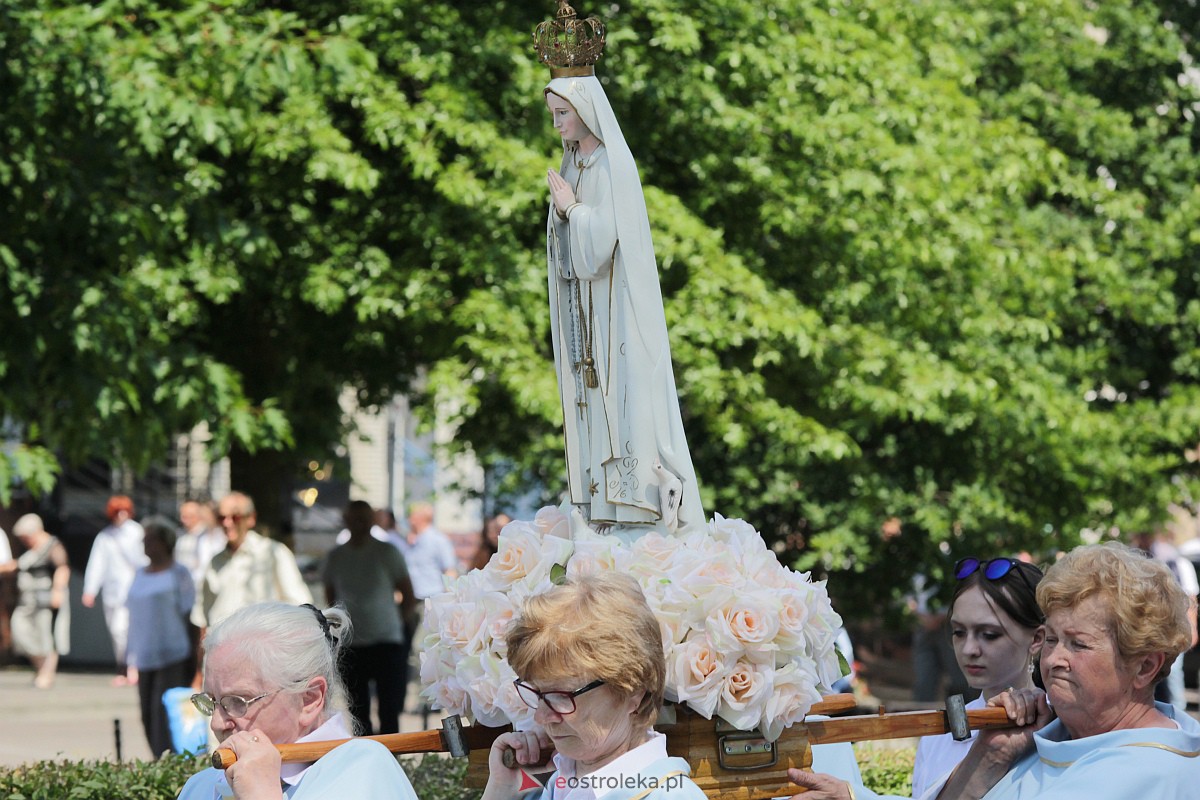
x,y
28,525
163,528
289,646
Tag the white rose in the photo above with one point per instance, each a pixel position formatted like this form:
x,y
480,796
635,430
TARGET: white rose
x,y
715,566
737,533
744,694
494,699
795,692
449,695
794,610
523,554
745,626
763,569
499,613
696,673
655,552
443,681
754,622
552,521
529,587
460,625
674,626
593,554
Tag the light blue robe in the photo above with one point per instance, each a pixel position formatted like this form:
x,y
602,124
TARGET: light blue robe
x,y
362,769
1138,764
665,779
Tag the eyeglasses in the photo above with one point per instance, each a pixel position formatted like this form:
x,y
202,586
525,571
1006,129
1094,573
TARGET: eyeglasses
x,y
558,702
233,705
993,570
235,518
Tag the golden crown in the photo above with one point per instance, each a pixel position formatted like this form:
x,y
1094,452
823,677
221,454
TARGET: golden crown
x,y
569,46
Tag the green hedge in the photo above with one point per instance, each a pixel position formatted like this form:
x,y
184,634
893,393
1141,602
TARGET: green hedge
x,y
887,771
99,780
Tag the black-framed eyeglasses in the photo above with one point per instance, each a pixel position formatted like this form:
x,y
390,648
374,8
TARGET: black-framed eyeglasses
x,y
233,705
558,702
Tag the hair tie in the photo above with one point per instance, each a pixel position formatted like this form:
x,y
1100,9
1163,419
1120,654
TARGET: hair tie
x,y
323,622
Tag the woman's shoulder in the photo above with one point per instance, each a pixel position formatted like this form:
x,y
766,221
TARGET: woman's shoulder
x,y
671,776
1137,762
361,768
365,751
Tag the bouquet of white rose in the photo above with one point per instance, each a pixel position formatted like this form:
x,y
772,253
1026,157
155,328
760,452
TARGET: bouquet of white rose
x,y
745,638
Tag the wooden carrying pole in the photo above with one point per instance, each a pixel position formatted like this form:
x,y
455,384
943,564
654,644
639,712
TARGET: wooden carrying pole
x,y
728,764
472,737
460,740
870,727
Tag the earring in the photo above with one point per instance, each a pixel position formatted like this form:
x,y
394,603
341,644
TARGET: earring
x,y
1030,667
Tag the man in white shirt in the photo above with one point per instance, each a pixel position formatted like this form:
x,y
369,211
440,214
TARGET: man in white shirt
x,y
251,569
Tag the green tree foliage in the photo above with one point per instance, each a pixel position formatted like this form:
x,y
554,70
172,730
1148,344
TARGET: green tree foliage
x,y
931,260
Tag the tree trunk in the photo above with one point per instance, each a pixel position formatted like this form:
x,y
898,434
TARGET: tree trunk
x,y
266,477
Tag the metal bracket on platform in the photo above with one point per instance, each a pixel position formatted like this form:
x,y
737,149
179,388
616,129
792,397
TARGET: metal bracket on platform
x,y
732,742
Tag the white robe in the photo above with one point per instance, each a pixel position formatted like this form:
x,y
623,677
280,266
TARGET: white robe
x,y
1137,764
937,756
603,282
362,769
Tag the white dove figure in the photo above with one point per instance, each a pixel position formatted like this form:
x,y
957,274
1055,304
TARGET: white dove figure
x,y
670,494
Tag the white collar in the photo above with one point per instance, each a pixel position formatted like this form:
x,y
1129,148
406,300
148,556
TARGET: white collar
x,y
631,762
333,728
290,773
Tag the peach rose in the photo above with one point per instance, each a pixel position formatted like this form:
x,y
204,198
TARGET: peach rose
x,y
795,690
744,694
523,554
695,674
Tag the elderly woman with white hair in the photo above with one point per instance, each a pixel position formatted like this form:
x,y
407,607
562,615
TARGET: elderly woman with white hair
x,y
271,677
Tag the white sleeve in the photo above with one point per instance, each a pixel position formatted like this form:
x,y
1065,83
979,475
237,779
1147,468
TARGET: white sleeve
x,y
97,567
291,585
1187,577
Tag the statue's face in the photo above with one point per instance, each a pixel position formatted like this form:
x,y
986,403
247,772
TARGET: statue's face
x,y
568,124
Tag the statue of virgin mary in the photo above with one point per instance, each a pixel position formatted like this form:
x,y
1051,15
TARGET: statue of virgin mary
x,y
628,463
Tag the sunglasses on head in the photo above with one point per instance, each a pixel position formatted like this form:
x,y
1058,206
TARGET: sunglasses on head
x,y
993,569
